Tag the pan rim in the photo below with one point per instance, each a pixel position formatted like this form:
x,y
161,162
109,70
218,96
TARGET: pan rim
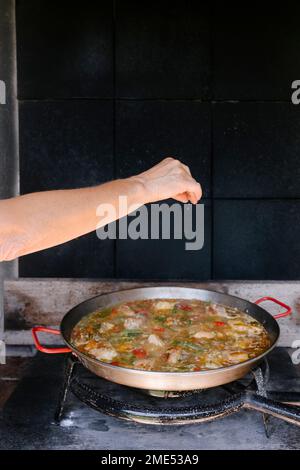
x,y
168,373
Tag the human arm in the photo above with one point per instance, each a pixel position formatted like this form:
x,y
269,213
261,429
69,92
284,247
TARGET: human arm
x,y
42,220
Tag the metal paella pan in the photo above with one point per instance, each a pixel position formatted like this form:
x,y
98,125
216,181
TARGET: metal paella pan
x,y
153,380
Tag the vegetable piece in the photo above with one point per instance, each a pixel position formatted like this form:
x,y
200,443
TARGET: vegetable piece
x,y
160,318
186,344
184,307
129,333
143,313
140,353
125,347
219,323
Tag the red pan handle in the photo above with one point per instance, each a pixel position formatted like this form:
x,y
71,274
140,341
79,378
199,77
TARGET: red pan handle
x,y
42,348
288,309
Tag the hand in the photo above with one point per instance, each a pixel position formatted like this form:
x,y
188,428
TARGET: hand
x,y
169,179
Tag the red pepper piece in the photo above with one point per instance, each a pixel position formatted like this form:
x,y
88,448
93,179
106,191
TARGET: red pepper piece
x,y
184,307
140,353
219,323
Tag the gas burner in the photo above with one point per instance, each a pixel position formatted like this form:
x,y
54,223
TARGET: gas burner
x,y
170,394
158,407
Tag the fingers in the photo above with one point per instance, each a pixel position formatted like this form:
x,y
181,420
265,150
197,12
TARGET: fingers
x,y
170,178
187,196
183,197
186,168
192,189
197,191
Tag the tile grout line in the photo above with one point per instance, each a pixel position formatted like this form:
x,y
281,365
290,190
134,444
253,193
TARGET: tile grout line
x,y
212,194
114,121
212,77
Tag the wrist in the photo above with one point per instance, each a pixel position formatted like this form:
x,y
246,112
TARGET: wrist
x,y
138,190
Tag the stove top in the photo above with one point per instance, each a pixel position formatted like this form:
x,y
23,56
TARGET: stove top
x,y
160,407
31,419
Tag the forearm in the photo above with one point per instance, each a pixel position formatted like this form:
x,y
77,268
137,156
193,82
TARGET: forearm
x,y
41,220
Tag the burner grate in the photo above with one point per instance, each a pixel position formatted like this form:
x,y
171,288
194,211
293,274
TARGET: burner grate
x,y
158,407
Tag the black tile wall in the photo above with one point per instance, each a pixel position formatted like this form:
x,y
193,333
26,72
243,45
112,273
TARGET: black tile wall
x,y
166,259
256,50
163,49
256,150
84,257
64,48
256,239
65,144
109,88
148,131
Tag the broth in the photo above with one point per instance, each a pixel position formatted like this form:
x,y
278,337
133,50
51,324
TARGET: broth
x,y
170,335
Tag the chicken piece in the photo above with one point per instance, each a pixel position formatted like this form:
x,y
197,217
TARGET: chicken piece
x,y
236,357
104,354
106,326
204,334
155,340
174,356
219,309
223,312
211,365
239,328
126,311
163,305
254,330
133,323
